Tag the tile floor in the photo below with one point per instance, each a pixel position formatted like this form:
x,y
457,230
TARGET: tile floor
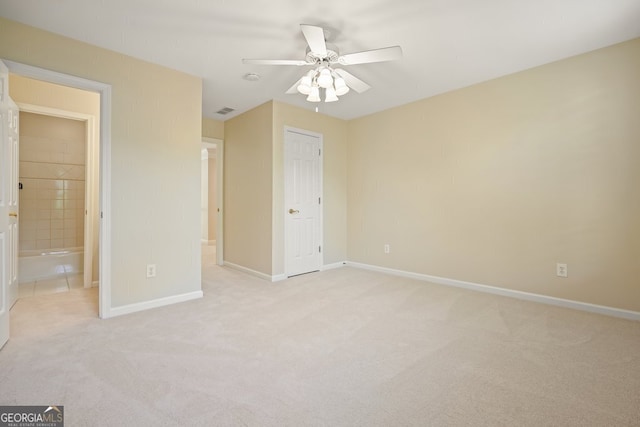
x,y
52,285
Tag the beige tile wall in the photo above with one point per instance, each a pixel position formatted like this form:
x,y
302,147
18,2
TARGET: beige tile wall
x,y
52,171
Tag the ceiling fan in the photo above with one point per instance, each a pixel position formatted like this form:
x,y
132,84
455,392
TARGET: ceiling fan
x,y
324,76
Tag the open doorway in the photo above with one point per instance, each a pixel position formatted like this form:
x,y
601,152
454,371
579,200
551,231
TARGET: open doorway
x,y
211,197
102,262
59,191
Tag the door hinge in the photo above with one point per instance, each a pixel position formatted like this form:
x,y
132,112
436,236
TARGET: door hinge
x,y
319,151
101,215
319,202
320,249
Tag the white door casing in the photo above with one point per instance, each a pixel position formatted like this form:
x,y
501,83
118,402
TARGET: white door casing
x,y
8,203
104,299
303,201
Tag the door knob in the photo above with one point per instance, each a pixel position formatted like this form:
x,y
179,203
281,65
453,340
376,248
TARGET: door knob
x,y
13,214
293,211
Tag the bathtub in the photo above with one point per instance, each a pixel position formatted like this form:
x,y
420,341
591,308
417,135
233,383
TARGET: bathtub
x,y
49,263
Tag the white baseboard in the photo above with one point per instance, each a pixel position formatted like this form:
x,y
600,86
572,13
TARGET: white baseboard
x,y
160,302
276,277
255,273
333,265
593,308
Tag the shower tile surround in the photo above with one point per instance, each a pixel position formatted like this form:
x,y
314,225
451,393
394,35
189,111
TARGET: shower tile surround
x,y
52,173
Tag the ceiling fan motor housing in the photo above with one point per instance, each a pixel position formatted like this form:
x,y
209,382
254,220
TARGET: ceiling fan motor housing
x,y
331,57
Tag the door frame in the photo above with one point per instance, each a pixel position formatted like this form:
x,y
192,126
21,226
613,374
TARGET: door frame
x,y
91,146
219,144
104,251
285,213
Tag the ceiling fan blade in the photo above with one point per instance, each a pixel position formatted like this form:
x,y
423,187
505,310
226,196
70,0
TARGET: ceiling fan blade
x,y
375,55
315,39
352,81
297,62
294,89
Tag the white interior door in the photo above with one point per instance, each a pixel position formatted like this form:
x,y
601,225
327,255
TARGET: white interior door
x,y
8,203
303,190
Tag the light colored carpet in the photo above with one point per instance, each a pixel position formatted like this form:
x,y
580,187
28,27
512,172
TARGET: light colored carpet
x,y
338,348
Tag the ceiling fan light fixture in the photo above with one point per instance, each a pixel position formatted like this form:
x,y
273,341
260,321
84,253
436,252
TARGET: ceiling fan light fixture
x,y
322,57
314,94
341,86
324,79
330,95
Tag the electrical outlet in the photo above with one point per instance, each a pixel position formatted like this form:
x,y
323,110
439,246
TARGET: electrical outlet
x,y
561,270
387,248
151,270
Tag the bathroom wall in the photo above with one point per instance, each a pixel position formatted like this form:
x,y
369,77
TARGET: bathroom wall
x,y
52,172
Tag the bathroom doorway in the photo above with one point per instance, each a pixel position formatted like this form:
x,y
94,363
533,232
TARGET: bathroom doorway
x,y
59,175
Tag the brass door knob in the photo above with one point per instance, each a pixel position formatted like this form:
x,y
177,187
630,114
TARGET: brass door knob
x,y
13,214
293,211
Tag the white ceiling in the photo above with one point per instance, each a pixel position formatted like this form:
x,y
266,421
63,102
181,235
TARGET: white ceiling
x,y
447,44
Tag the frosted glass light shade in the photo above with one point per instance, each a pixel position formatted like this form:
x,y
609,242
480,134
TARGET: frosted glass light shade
x,y
314,95
305,85
330,95
341,86
324,79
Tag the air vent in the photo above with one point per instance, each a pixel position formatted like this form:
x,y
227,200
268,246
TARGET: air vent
x,y
225,110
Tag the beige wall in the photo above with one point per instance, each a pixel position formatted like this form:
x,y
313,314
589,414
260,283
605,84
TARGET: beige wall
x,y
155,155
498,182
43,94
254,198
248,189
212,128
491,184
334,132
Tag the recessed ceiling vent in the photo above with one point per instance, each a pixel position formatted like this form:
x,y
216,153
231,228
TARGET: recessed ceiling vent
x,y
225,110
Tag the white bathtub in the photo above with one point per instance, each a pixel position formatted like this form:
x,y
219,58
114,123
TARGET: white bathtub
x,y
49,263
